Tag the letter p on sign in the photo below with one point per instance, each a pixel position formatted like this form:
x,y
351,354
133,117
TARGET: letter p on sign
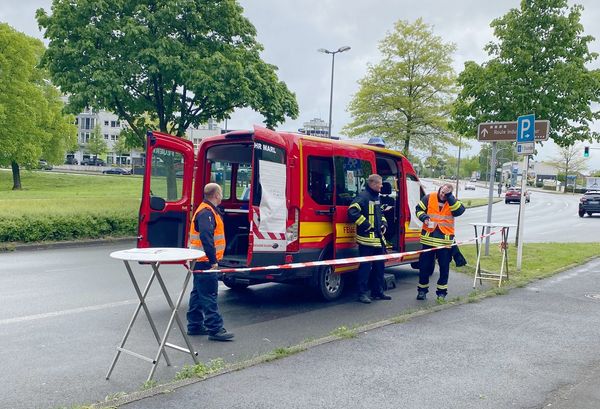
x,y
526,128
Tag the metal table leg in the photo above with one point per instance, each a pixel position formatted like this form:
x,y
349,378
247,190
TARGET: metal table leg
x,y
479,249
174,317
142,304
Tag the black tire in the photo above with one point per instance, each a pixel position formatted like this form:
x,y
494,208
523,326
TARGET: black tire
x,y
234,285
589,213
506,202
329,284
415,265
581,213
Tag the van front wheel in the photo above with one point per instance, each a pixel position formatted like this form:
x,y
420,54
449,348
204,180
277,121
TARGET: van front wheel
x,y
330,284
233,284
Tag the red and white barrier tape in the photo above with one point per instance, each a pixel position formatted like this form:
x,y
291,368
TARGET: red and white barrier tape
x,y
343,261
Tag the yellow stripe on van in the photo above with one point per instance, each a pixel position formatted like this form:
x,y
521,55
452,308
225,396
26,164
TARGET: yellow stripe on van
x,y
322,229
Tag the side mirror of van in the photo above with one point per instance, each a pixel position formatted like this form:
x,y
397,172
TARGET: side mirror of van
x,y
386,188
157,203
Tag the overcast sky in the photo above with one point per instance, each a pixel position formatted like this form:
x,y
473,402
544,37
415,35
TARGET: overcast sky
x,y
292,31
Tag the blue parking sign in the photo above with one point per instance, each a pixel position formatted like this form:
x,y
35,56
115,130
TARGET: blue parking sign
x,y
526,128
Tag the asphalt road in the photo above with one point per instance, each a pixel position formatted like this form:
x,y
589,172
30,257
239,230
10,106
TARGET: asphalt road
x,y
63,311
549,217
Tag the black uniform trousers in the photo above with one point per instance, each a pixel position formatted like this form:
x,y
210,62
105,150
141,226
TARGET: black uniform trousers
x,y
370,273
427,265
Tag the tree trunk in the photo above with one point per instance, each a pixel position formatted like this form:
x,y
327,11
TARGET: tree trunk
x,y
16,176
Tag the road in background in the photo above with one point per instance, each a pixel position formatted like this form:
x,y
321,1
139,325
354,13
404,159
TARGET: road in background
x,y
549,217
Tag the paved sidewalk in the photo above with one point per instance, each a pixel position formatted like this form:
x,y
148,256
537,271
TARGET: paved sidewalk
x,y
535,347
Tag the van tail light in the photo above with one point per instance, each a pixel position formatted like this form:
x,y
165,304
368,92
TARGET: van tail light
x,y
292,232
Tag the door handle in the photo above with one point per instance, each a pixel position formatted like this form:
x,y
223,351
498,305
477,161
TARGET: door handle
x,y
329,212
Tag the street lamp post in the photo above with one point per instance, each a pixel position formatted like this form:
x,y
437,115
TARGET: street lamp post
x,y
333,53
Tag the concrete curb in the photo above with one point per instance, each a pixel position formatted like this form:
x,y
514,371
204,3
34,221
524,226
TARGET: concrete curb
x,y
9,247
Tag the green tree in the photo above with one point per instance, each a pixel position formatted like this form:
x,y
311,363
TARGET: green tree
x,y
97,145
32,124
538,65
570,160
406,97
176,62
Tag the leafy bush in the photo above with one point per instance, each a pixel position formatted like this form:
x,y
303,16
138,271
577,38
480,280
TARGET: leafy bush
x,y
34,228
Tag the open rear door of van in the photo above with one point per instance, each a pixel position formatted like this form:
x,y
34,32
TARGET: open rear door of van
x,y
167,192
268,212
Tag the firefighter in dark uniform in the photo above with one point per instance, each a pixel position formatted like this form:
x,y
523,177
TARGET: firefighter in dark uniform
x,y
437,212
365,212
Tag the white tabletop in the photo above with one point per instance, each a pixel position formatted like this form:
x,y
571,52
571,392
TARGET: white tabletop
x,y
157,254
484,224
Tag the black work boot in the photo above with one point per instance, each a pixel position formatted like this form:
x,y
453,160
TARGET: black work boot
x,y
421,295
221,335
364,298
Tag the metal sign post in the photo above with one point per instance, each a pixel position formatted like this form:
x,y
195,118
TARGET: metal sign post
x,y
492,178
525,134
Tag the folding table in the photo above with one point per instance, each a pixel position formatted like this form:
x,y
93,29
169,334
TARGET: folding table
x,y
503,246
154,257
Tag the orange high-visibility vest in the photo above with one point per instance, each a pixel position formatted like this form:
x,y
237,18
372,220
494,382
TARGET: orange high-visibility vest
x,y
442,217
194,241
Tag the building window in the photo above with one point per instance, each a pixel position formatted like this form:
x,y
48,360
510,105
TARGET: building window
x,y
113,137
76,121
87,137
106,136
113,124
105,123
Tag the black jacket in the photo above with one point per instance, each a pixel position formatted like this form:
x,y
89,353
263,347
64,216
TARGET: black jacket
x,y
365,212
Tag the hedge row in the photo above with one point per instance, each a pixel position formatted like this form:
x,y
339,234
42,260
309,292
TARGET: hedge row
x,y
61,227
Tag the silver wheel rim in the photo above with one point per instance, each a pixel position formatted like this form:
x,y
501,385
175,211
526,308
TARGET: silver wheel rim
x,y
331,280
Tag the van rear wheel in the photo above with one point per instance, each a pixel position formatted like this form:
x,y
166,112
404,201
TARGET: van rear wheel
x,y
330,284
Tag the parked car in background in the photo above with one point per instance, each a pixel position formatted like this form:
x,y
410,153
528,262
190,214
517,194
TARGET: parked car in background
x,y
93,162
71,161
42,164
589,203
469,186
116,171
513,194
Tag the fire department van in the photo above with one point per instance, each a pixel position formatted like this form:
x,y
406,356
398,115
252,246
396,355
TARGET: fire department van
x,y
285,199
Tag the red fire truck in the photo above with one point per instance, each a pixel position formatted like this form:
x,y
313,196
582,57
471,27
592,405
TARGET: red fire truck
x,y
285,199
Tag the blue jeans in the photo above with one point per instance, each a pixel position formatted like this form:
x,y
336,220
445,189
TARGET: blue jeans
x,y
203,309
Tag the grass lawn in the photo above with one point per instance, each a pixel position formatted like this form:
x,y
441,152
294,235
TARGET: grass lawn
x,y
64,194
478,202
539,259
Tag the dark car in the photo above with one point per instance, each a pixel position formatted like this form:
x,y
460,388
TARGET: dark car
x,y
513,194
42,164
589,203
71,161
93,162
116,171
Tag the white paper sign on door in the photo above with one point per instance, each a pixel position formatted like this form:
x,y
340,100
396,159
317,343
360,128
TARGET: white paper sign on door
x,y
273,209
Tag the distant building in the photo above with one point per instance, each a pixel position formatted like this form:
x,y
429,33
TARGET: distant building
x,y
196,134
110,129
315,127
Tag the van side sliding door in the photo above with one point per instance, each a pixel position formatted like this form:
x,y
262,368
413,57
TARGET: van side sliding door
x,y
164,215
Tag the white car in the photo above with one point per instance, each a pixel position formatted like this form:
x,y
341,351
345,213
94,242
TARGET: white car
x,y
469,186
